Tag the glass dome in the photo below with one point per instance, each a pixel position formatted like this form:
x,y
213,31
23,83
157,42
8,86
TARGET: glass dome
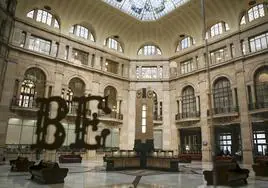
x,y
146,10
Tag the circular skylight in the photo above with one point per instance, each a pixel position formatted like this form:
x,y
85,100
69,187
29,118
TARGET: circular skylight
x,y
146,10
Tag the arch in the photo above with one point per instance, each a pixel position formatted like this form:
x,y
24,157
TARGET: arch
x,y
35,74
77,86
222,95
252,72
185,42
37,66
255,12
68,79
33,86
149,49
219,76
112,99
114,43
188,101
83,30
261,86
44,16
187,87
216,29
186,84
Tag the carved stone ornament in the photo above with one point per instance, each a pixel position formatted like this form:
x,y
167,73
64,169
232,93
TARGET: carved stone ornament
x,y
150,94
139,93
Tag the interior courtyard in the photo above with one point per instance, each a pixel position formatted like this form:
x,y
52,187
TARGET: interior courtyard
x,y
203,64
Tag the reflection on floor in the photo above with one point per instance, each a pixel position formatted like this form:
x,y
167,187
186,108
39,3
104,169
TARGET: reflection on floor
x,y
92,174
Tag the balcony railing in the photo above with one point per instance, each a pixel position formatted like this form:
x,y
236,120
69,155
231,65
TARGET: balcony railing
x,y
158,117
112,115
223,110
26,103
73,110
258,105
187,115
190,149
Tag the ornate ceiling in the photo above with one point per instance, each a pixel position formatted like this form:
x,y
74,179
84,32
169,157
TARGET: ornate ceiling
x,y
165,32
146,10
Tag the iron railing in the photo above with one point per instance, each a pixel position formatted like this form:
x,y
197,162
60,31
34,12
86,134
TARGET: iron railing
x,y
158,117
25,103
223,110
190,149
113,115
186,115
258,105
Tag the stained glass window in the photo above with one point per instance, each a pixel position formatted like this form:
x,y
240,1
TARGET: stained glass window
x,y
146,10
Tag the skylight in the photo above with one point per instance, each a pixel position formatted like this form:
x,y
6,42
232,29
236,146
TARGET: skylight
x,y
146,10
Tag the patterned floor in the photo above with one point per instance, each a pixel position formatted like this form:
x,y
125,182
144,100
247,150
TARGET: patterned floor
x,y
92,174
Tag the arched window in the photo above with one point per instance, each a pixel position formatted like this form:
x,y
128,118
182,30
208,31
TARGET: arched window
x,y
256,12
82,32
222,95
76,89
44,17
186,42
253,13
113,44
188,102
33,86
217,29
111,92
149,50
261,87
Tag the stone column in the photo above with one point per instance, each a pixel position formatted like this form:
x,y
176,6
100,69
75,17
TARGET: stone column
x,y
54,49
245,120
89,60
167,127
58,77
197,104
46,90
206,127
5,102
61,51
103,64
119,72
117,106
229,52
175,139
180,105
233,98
70,54
253,95
97,64
27,40
247,50
127,134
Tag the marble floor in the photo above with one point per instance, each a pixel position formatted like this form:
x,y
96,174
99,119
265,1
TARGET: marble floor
x,y
92,174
